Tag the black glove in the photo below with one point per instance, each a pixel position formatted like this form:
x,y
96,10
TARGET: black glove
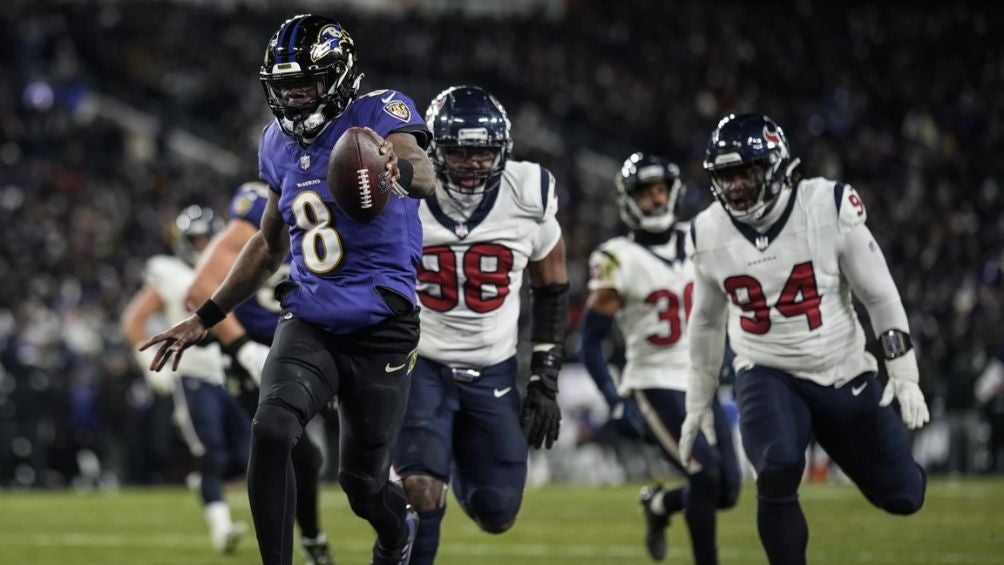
x,y
541,416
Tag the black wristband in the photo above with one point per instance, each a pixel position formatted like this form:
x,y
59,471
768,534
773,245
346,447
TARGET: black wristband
x,y
895,343
407,172
210,313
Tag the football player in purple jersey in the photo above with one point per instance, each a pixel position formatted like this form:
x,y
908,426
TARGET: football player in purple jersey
x,y
349,326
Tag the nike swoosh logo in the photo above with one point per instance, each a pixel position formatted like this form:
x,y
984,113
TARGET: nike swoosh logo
x,y
856,390
388,98
499,393
390,369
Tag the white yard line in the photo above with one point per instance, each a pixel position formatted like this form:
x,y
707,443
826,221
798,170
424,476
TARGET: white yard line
x,y
526,550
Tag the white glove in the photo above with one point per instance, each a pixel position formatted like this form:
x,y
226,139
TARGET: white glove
x,y
903,379
161,382
251,357
701,389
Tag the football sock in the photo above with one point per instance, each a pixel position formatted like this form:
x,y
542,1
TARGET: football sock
x,y
217,516
307,464
671,501
783,531
427,540
701,506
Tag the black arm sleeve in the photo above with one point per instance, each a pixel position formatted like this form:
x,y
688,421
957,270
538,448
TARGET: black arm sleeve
x,y
549,311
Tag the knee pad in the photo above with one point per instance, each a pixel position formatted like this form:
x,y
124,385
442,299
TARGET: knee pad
x,y
493,510
361,491
905,502
425,493
275,426
779,485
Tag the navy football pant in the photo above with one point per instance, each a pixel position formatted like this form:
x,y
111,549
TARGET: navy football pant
x,y
306,367
466,434
777,415
712,485
216,431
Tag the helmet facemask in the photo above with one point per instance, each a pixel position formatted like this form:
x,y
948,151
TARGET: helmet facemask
x,y
469,170
643,180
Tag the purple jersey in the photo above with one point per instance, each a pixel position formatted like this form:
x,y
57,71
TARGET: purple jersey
x,y
259,314
338,263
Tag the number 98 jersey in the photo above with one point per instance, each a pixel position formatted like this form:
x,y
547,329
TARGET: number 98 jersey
x,y
654,284
471,272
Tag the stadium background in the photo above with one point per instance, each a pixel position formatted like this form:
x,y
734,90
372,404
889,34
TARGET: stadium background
x,y
113,115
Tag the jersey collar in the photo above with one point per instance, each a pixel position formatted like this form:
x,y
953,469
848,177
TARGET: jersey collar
x,y
763,240
462,229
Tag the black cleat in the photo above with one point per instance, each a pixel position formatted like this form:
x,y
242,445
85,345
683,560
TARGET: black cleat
x,y
655,524
316,552
400,555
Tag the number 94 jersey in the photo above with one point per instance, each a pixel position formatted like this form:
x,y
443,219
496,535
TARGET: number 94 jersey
x,y
789,306
471,271
655,285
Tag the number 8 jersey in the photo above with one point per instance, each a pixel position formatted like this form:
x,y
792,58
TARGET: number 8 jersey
x,y
654,284
472,267
789,306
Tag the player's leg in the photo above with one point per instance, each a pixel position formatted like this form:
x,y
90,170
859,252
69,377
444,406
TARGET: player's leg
x,y
489,449
424,449
299,377
201,420
307,461
775,423
373,396
869,443
664,411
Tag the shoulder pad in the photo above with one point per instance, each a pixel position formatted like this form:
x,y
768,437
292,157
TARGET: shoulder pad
x,y
533,187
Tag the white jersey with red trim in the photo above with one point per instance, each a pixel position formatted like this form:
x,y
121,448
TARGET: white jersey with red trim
x,y
789,306
473,259
654,284
171,277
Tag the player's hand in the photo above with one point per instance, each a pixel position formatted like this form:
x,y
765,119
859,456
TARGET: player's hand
x,y
175,340
701,390
160,383
541,417
392,171
249,355
628,418
702,421
902,385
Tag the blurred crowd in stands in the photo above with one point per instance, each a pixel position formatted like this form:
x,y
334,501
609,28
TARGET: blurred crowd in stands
x,y
901,101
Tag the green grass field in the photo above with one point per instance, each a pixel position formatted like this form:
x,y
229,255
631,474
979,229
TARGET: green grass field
x,y
962,522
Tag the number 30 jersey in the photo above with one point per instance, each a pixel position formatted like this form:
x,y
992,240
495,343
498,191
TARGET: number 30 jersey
x,y
789,306
654,284
472,270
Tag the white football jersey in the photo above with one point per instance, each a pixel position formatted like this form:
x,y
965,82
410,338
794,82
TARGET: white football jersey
x,y
472,270
789,306
654,284
171,277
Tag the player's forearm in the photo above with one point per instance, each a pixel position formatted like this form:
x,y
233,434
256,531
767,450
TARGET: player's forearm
x,y
863,264
423,176
595,327
256,263
707,328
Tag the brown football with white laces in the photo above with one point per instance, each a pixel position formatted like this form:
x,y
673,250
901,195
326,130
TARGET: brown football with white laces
x,y
357,177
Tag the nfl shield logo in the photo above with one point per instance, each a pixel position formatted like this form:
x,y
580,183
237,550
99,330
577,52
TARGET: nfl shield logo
x,y
305,161
762,242
461,230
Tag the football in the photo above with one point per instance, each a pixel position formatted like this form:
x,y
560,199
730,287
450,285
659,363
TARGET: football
x,y
356,175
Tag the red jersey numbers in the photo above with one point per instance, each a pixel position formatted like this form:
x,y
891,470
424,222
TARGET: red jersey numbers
x,y
670,313
800,297
486,268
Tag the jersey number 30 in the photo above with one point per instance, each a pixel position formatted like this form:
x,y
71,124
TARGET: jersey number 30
x,y
800,297
485,266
